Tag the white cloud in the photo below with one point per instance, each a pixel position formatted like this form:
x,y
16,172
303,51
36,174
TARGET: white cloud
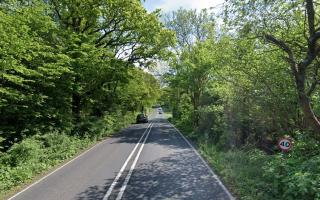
x,y
170,5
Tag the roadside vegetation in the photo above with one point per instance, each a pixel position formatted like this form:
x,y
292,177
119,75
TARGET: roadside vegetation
x,y
72,72
240,82
41,152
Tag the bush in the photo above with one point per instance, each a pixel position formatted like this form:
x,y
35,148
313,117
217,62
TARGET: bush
x,y
241,170
61,146
96,128
26,152
251,174
38,153
295,175
20,163
35,154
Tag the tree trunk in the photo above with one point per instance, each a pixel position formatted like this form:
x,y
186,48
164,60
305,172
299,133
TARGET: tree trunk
x,y
312,120
304,100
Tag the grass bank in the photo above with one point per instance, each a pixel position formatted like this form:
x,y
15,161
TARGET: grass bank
x,y
36,155
252,174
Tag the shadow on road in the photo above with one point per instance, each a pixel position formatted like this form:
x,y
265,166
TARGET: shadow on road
x,y
176,173
178,176
92,193
160,126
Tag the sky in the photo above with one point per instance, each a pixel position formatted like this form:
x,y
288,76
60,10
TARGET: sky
x,y
170,5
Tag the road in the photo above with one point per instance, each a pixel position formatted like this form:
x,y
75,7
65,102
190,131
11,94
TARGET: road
x,y
144,161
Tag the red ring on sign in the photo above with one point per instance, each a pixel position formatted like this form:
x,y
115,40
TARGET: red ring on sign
x,y
290,144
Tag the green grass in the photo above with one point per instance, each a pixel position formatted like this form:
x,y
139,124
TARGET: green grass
x,y
34,156
251,174
240,170
167,115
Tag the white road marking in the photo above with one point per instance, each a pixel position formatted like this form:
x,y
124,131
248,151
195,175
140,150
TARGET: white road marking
x,y
14,196
123,188
115,181
206,164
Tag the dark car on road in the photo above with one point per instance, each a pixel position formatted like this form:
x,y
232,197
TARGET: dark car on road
x,y
142,118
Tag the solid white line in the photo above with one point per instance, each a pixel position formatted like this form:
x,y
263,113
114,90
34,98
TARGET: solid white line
x,y
11,198
115,181
123,188
206,164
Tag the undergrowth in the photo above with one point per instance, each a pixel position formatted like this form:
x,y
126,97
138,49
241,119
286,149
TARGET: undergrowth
x,y
252,174
41,152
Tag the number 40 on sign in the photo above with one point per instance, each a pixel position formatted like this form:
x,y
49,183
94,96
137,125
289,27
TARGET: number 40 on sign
x,y
285,144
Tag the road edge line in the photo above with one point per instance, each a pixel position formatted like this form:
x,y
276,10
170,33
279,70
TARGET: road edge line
x,y
205,163
115,180
54,171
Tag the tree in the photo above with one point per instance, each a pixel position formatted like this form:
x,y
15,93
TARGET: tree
x,y
119,31
65,62
35,75
190,26
191,66
292,26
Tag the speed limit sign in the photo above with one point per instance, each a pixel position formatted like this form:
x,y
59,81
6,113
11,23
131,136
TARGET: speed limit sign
x,y
285,144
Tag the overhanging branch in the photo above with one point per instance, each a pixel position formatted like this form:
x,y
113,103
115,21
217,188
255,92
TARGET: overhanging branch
x,y
281,44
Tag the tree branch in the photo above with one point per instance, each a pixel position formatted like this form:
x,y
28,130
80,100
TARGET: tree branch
x,y
310,13
285,48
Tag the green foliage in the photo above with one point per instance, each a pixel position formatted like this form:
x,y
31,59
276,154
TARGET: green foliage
x,y
64,63
251,174
295,175
38,153
235,93
292,29
190,26
33,155
34,75
72,72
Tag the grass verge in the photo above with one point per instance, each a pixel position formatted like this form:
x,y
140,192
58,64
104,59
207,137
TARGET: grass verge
x,y
36,156
251,174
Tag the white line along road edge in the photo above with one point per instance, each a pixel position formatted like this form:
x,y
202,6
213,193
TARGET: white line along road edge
x,y
38,181
205,163
115,181
126,181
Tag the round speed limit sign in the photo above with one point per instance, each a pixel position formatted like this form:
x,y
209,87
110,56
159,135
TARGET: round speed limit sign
x,y
285,144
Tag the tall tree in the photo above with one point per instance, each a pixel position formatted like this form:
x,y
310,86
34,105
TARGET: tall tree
x,y
35,77
191,67
65,60
294,27
119,30
190,26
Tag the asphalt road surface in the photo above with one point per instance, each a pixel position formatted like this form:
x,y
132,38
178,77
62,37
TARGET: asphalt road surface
x,y
144,161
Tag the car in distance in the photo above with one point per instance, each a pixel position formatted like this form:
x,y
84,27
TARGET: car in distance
x,y
142,118
160,112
